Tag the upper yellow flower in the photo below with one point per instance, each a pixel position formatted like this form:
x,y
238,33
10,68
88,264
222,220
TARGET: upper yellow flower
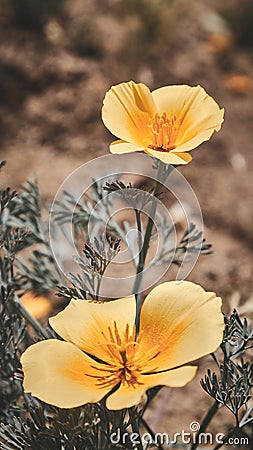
x,y
165,124
179,323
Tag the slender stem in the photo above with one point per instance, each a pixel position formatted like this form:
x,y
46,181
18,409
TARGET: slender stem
x,y
151,394
207,419
99,279
147,236
135,427
139,228
122,236
161,177
215,359
151,432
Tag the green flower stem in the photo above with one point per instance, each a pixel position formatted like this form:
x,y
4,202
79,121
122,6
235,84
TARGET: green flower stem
x,y
135,427
151,393
207,419
151,432
99,280
215,359
161,177
139,227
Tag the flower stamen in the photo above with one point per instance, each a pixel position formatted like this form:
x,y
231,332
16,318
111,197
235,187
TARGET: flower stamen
x,y
121,349
163,132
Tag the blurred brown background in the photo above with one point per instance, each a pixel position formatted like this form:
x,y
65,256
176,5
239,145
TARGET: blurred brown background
x,y
59,57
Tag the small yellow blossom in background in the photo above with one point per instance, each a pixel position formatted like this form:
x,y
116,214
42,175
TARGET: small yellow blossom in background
x,y
37,306
179,323
165,123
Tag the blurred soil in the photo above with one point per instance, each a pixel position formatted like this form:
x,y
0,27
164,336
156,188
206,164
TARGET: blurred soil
x,y
56,65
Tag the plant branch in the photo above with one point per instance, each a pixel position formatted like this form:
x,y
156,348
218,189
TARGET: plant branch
x,y
151,432
135,427
207,419
161,177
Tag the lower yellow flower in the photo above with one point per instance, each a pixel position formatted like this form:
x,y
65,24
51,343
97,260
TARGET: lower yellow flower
x,y
165,123
179,323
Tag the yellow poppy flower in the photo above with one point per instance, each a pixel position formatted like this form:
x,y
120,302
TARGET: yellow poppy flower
x,y
165,123
179,323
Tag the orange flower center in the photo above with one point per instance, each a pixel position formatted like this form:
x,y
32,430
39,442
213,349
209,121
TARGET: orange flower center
x,y
121,367
163,132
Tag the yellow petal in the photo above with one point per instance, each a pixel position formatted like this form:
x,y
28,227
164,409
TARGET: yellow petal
x,y
124,147
60,374
86,324
126,110
200,131
199,115
127,396
179,323
172,157
177,99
